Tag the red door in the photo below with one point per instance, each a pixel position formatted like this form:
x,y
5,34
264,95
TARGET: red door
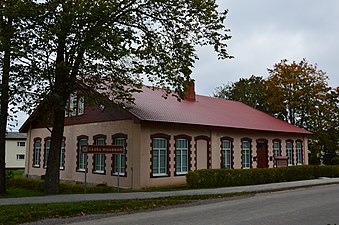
x,y
262,155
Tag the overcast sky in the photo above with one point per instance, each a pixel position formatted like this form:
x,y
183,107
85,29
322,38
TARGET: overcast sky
x,y
264,32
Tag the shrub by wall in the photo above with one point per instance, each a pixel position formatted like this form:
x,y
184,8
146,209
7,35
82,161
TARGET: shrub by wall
x,y
210,178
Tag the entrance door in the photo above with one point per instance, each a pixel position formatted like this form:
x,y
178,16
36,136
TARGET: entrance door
x,y
262,154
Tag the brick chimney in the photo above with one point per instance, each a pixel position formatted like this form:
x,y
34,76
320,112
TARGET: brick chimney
x,y
189,91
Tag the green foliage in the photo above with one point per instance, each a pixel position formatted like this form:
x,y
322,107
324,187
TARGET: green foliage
x,y
110,47
26,183
250,91
9,174
297,93
239,177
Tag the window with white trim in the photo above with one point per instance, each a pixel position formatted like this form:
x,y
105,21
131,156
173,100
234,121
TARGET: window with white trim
x,y
21,144
81,105
289,152
276,148
99,159
159,149
246,154
47,148
62,155
119,159
37,153
181,156
299,153
82,160
20,157
75,105
226,154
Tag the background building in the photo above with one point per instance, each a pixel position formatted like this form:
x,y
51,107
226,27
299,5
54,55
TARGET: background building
x,y
15,150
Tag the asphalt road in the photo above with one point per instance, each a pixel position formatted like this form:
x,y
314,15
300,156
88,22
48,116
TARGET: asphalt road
x,y
315,205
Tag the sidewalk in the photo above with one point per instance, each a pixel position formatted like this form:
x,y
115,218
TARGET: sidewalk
x,y
144,195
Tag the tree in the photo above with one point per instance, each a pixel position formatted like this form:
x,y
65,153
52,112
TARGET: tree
x,y
325,141
112,46
299,94
250,91
14,16
295,90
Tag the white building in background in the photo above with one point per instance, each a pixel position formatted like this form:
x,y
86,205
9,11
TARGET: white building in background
x,y
15,150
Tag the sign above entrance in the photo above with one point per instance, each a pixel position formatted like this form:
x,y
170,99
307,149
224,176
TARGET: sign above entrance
x,y
103,149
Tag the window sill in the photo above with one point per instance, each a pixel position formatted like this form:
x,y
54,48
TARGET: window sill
x,y
118,174
160,175
181,174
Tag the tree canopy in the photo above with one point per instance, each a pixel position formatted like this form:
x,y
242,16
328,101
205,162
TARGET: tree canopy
x,y
112,47
15,17
295,90
250,91
297,93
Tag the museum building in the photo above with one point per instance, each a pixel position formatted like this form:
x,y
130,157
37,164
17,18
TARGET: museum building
x,y
164,139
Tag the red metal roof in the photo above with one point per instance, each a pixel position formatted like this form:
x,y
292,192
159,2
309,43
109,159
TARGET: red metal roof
x,y
206,111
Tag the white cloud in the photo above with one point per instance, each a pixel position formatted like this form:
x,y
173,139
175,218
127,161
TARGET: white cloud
x,y
265,32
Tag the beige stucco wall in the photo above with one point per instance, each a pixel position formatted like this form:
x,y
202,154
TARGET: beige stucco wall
x,y
71,133
139,150
12,150
237,135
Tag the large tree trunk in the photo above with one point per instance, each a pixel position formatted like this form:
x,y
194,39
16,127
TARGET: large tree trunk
x,y
6,29
59,96
52,176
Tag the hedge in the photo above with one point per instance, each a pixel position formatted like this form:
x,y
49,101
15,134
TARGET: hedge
x,y
211,178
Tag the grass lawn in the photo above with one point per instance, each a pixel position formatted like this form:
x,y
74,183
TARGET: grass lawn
x,y
15,214
13,192
24,187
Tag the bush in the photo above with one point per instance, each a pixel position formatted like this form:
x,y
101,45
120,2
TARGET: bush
x,y
27,183
210,178
9,175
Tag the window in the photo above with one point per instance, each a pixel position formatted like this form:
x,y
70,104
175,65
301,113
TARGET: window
x,y
226,153
81,105
47,148
299,152
181,156
82,158
119,160
21,144
99,159
159,153
276,148
289,152
75,105
62,155
36,153
246,154
20,157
